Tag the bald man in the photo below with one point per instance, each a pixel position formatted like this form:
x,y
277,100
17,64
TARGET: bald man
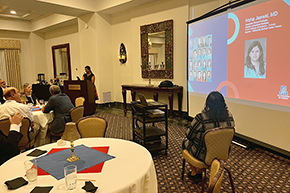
x,y
12,105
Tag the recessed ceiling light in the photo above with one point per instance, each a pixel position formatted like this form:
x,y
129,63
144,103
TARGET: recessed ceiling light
x,y
13,12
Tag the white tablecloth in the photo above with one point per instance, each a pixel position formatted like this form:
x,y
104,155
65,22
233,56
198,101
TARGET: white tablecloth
x,y
132,171
41,121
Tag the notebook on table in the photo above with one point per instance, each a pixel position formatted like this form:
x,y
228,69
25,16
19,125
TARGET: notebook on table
x,y
147,103
152,112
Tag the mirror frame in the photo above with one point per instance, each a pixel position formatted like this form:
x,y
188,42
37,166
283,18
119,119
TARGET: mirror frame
x,y
53,48
166,26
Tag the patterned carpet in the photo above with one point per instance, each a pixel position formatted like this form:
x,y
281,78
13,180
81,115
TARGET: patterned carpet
x,y
253,170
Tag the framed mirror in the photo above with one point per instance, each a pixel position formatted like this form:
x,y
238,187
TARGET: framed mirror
x,y
61,61
157,50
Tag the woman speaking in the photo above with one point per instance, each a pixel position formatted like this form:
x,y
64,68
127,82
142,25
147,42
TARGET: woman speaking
x,y
91,77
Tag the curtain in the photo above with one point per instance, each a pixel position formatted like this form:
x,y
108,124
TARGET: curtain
x,y
12,59
3,75
64,61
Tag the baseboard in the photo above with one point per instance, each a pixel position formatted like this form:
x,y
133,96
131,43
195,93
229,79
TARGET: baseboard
x,y
252,143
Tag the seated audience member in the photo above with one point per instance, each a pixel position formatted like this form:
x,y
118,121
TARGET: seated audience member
x,y
60,104
13,106
9,144
3,86
215,114
31,98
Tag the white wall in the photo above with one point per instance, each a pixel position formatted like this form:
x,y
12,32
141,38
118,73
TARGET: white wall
x,y
129,34
73,40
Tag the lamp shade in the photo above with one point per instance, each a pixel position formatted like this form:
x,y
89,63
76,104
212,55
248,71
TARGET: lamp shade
x,y
70,133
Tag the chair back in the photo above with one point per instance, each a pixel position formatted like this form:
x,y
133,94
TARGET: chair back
x,y
24,143
217,143
5,126
79,101
216,176
76,113
92,126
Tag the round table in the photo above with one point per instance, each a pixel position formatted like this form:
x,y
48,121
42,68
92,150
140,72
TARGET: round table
x,y
41,121
131,171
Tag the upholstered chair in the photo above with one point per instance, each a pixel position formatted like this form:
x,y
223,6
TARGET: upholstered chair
x,y
217,143
92,126
79,101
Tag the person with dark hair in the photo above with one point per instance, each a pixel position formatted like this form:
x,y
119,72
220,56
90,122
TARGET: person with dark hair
x,y
215,114
255,65
60,104
27,91
91,77
2,88
9,144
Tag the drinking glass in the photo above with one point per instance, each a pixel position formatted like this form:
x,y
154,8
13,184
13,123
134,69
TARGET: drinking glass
x,y
31,170
70,173
41,102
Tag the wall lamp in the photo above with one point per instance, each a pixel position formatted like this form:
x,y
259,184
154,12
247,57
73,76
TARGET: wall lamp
x,y
122,55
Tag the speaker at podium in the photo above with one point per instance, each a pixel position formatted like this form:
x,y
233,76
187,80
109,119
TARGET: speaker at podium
x,y
81,88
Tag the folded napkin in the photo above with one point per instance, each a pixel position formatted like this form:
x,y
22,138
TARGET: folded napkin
x,y
15,183
35,108
41,189
36,153
90,187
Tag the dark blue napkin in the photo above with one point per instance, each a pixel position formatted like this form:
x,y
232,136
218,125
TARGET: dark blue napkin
x,y
54,163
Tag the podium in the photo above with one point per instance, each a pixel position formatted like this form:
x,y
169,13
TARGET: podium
x,y
81,88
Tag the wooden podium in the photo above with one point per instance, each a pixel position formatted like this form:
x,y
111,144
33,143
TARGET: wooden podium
x,y
81,88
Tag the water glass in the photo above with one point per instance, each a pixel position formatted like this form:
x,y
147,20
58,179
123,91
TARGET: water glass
x,y
70,173
41,102
31,170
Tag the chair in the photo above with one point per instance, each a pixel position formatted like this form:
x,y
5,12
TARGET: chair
x,y
79,101
76,113
92,126
25,142
55,135
217,143
216,176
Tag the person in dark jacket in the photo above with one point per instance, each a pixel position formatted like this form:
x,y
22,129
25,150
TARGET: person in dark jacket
x,y
60,104
9,144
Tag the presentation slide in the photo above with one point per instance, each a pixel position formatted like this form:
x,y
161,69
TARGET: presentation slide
x,y
243,54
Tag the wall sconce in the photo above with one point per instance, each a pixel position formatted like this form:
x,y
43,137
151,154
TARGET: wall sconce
x,y
122,56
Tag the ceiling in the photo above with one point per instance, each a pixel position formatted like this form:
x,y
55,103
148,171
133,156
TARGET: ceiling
x,y
31,10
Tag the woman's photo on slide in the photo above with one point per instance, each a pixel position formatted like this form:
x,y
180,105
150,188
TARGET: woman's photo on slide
x,y
255,58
